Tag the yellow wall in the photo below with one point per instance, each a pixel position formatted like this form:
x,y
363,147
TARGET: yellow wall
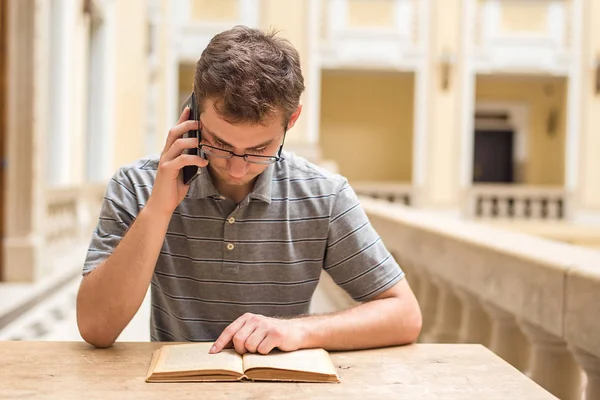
x,y
367,124
545,153
372,13
525,16
186,82
130,81
213,11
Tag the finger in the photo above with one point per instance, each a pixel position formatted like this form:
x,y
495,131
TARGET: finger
x,y
239,340
268,344
177,131
185,114
228,333
255,339
178,147
184,160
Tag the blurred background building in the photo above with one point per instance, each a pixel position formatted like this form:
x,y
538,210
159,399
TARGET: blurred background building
x,y
480,110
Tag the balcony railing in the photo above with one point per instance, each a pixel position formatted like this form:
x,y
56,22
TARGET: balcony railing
x,y
71,215
394,192
530,300
516,202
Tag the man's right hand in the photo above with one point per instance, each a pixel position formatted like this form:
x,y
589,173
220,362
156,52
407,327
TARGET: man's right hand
x,y
169,189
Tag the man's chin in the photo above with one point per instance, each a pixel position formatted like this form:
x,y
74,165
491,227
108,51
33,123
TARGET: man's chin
x,y
230,180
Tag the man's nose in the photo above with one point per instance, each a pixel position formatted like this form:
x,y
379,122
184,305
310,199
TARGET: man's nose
x,y
238,167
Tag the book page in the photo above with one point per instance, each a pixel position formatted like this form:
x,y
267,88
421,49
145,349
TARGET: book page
x,y
307,360
195,357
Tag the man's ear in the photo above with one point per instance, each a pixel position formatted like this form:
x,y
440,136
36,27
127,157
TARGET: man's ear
x,y
294,117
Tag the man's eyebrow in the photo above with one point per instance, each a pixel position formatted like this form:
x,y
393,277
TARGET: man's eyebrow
x,y
218,139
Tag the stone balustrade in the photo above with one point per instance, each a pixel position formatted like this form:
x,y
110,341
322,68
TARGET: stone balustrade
x,y
71,214
513,201
394,192
533,301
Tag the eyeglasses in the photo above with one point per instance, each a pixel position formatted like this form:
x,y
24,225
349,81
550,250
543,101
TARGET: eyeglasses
x,y
250,158
217,152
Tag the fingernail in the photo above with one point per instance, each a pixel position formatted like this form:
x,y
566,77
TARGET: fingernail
x,y
213,349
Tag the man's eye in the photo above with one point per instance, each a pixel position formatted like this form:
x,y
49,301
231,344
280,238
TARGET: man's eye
x,y
258,151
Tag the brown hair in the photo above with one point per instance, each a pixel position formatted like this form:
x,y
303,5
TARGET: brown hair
x,y
250,75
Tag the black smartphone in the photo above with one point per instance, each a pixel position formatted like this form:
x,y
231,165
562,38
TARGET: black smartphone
x,y
190,172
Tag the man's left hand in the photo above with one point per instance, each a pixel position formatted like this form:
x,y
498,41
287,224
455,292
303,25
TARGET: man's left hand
x,y
259,334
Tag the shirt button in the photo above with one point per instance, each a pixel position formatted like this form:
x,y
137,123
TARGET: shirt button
x,y
231,220
230,246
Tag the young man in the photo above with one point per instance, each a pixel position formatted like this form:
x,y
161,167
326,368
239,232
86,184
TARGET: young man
x,y
235,256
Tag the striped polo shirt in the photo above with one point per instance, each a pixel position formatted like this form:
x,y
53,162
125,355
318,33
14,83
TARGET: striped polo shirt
x,y
264,255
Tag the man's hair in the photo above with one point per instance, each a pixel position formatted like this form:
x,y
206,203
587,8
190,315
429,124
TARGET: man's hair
x,y
250,75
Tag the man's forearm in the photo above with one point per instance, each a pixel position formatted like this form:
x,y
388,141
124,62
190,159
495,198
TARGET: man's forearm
x,y
110,295
383,322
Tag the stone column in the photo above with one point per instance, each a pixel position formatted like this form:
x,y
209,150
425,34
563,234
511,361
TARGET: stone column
x,y
23,237
583,104
428,300
436,176
475,324
447,324
506,339
551,364
591,365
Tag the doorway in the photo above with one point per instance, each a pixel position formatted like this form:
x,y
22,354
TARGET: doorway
x,y
493,156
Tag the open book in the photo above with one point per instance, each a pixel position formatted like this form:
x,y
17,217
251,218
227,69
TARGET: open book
x,y
191,362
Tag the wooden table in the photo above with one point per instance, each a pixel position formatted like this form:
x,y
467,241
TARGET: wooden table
x,y
75,370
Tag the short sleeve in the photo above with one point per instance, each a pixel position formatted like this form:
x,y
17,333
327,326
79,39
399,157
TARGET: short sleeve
x,y
356,257
119,210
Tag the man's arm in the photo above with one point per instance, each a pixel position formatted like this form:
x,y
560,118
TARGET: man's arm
x,y
111,294
391,318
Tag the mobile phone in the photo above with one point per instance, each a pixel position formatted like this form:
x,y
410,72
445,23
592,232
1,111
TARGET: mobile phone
x,y
190,172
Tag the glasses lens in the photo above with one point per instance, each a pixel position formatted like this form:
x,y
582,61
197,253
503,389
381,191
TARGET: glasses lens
x,y
214,152
260,160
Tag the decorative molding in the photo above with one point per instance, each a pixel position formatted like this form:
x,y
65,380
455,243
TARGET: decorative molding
x,y
372,47
522,51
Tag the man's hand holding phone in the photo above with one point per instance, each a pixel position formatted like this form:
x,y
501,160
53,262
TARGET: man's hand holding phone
x,y
169,189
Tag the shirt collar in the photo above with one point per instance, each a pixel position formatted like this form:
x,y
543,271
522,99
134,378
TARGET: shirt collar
x,y
202,187
263,184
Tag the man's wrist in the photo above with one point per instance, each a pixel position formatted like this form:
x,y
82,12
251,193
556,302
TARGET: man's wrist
x,y
307,332
157,212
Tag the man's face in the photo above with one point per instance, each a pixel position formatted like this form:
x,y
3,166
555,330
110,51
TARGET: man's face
x,y
262,139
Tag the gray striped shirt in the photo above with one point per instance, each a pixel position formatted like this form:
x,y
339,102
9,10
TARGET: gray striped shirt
x,y
264,255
